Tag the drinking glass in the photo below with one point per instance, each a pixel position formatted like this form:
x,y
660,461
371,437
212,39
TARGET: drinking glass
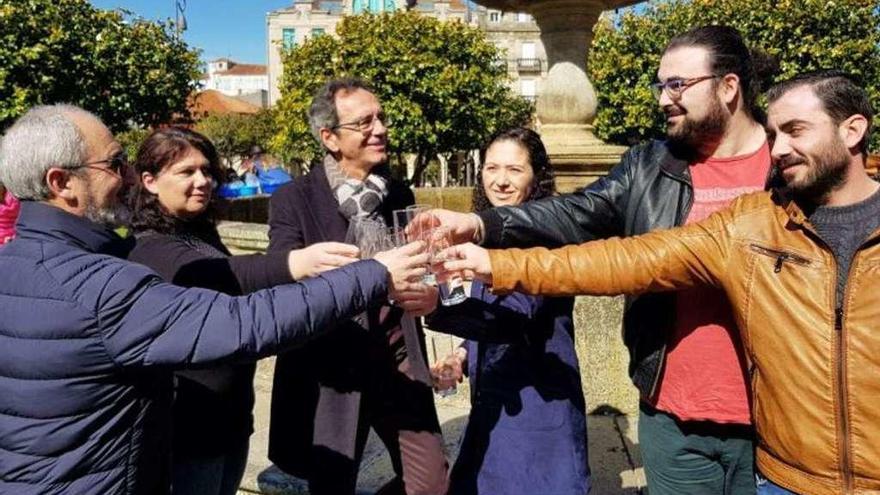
x,y
403,218
450,284
370,236
447,372
415,232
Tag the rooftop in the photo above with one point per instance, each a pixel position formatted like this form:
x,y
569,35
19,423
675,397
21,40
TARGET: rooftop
x,y
211,101
236,69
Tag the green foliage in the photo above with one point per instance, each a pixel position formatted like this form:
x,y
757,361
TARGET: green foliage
x,y
232,134
804,35
439,84
131,140
127,71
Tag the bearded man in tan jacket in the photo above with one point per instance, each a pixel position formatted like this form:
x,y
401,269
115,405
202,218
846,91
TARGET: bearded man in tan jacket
x,y
799,266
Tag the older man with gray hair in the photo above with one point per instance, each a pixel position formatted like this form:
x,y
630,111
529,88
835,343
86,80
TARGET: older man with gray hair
x,y
88,341
328,395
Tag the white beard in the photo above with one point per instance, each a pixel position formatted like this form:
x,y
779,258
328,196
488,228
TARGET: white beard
x,y
114,217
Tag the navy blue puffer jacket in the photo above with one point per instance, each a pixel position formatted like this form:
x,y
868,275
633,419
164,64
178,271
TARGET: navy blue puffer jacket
x,y
88,342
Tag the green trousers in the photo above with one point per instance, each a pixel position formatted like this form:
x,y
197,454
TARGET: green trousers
x,y
695,457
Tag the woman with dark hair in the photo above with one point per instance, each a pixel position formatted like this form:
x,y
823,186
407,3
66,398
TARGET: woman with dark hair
x,y
173,220
527,431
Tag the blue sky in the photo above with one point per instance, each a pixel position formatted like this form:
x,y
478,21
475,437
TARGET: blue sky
x,y
220,28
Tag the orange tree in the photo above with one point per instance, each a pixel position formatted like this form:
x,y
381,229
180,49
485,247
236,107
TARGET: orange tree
x,y
440,84
803,35
126,70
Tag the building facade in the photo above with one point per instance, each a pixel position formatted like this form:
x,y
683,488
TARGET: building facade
x,y
516,34
519,40
248,82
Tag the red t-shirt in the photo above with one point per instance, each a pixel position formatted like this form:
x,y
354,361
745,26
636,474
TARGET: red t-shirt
x,y
705,374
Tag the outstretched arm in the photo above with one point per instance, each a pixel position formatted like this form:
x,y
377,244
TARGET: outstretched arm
x,y
144,322
596,212
505,320
659,261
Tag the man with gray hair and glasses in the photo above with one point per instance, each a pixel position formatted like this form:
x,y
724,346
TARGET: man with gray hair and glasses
x,y
88,341
328,395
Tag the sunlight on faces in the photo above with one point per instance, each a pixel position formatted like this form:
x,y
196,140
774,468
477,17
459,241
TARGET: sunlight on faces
x,y
807,147
184,187
698,114
357,150
99,190
507,173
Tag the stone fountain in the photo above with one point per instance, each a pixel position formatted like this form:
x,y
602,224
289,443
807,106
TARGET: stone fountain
x,y
566,103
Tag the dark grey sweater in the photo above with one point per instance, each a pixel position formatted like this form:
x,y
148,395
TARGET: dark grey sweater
x,y
845,229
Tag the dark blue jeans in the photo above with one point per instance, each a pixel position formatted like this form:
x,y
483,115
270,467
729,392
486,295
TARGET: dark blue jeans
x,y
767,487
695,457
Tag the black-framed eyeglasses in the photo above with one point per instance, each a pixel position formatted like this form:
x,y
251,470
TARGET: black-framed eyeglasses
x,y
675,87
364,125
116,164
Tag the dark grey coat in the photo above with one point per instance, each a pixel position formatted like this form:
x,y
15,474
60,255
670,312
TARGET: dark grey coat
x,y
327,394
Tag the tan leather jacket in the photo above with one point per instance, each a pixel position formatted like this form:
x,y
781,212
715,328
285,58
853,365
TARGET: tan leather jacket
x,y
815,371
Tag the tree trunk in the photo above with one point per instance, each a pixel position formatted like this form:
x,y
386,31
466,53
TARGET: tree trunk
x,y
400,171
422,160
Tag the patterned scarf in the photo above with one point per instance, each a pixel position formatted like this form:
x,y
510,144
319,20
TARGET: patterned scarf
x,y
358,198
363,199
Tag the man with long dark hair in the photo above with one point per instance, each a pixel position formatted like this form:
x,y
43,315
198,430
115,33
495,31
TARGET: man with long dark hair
x,y
695,428
799,266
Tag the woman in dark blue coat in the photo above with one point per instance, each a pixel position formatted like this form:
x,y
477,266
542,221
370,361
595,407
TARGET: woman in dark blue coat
x,y
527,432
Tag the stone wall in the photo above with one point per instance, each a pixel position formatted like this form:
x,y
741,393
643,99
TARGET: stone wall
x,y
603,358
254,209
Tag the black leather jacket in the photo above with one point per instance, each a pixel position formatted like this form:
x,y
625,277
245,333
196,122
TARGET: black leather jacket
x,y
650,189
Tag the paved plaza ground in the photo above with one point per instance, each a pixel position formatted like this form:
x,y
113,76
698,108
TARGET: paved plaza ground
x,y
614,453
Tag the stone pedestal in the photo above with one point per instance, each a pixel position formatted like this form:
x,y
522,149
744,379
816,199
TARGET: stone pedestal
x,y
578,157
567,101
604,360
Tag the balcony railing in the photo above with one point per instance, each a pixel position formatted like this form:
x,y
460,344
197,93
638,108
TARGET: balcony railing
x,y
529,64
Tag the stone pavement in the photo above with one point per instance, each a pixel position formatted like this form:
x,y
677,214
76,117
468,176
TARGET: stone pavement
x,y
614,453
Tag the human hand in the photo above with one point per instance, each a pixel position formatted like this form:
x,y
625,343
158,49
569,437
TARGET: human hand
x,y
320,257
418,299
471,260
449,371
464,227
406,265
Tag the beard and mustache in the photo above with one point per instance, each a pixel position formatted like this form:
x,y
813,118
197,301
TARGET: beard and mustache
x,y
826,170
113,216
694,133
